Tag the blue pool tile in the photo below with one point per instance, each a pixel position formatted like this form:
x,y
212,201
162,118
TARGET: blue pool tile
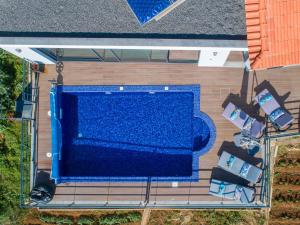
x,y
128,133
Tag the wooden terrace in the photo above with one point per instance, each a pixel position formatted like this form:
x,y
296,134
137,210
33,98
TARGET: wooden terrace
x,y
218,86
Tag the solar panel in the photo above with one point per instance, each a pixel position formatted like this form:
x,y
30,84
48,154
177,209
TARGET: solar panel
x,y
146,10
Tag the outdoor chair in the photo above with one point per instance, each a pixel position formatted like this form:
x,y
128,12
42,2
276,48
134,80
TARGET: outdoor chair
x,y
239,167
252,146
279,117
228,190
248,125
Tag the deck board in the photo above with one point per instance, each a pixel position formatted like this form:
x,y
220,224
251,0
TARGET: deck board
x,y
216,85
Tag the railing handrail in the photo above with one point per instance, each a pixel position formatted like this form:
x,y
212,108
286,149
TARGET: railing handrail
x,y
28,134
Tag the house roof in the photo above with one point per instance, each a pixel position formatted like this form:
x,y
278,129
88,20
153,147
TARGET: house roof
x,y
194,19
273,32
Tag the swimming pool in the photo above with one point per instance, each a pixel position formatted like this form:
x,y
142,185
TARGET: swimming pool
x,y
128,133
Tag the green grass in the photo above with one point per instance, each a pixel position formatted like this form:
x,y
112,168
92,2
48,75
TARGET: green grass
x,y
52,219
106,219
86,220
122,218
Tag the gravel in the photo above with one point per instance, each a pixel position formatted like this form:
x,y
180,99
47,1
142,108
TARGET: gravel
x,y
114,17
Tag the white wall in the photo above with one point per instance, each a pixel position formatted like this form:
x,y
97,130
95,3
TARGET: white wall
x,y
29,54
213,57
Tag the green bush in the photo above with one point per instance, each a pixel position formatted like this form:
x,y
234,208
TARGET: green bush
x,y
52,219
48,219
10,80
113,219
85,220
9,171
64,220
10,88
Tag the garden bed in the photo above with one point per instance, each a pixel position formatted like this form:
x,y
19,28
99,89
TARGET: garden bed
x,y
286,186
206,217
92,217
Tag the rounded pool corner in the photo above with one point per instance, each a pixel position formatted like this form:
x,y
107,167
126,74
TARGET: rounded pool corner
x,y
204,133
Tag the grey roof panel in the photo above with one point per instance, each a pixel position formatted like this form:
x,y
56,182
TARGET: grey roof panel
x,y
210,19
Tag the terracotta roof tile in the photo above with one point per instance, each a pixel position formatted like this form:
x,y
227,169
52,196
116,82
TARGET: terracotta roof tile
x,y
273,28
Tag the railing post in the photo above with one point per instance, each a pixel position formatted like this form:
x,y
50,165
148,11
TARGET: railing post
x,y
148,190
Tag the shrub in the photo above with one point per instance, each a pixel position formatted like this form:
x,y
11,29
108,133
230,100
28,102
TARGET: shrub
x,y
47,218
10,88
85,220
10,80
9,171
64,220
112,219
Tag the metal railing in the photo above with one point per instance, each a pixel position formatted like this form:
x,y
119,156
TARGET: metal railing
x,y
149,195
292,107
118,56
266,178
28,162
272,134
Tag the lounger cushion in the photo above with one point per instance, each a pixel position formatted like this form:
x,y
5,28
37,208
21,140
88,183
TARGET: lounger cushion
x,y
276,114
235,115
253,174
230,161
257,129
270,105
247,195
284,120
228,191
245,169
266,97
248,124
280,117
231,191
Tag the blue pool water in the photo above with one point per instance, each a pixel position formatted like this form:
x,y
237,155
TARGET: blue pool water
x,y
100,133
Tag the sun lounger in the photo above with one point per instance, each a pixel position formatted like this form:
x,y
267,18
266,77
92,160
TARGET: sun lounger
x,y
228,190
248,125
239,167
252,146
279,117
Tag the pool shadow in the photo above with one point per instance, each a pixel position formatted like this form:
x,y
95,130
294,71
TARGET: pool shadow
x,y
82,160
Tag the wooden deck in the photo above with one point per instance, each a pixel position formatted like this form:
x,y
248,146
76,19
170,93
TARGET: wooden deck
x,y
218,86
